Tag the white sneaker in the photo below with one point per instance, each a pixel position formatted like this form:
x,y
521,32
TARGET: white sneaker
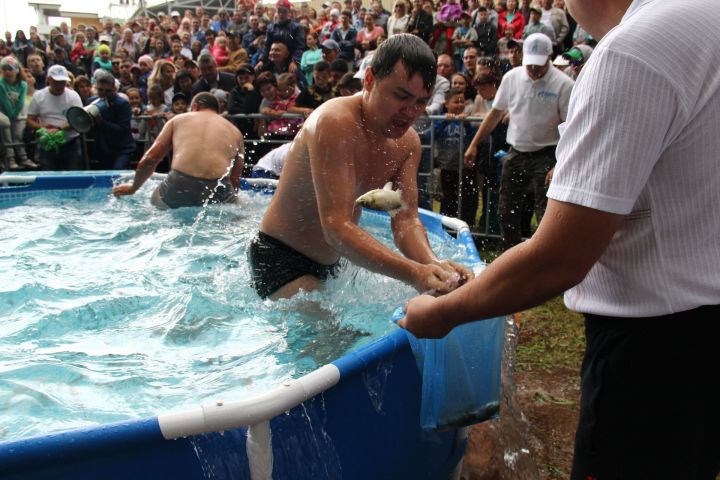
x,y
12,165
27,163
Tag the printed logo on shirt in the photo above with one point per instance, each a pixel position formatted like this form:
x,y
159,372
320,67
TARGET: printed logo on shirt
x,y
547,95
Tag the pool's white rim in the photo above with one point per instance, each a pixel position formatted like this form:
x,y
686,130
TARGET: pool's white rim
x,y
221,415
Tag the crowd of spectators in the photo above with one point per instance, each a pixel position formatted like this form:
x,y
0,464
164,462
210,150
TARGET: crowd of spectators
x,y
269,60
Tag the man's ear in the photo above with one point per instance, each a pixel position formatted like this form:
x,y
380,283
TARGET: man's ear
x,y
369,80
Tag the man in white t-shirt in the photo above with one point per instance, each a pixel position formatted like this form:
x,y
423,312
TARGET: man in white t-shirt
x,y
631,232
271,164
536,96
47,111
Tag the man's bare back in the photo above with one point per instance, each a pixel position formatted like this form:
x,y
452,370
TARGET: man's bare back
x,y
207,159
203,144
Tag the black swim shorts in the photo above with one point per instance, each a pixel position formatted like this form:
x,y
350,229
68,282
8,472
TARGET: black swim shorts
x,y
274,264
182,190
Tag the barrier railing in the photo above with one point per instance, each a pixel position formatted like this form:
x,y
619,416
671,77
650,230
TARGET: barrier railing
x,y
428,183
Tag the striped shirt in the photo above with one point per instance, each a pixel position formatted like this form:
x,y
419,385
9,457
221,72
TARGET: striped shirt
x,y
642,140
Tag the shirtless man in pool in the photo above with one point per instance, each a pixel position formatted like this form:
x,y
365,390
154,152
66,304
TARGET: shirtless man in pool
x,y
207,159
346,147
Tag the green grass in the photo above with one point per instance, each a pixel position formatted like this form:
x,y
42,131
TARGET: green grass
x,y
551,336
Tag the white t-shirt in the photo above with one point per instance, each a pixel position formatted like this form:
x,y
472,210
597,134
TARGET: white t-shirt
x,y
643,140
167,96
546,18
536,107
437,101
51,108
274,160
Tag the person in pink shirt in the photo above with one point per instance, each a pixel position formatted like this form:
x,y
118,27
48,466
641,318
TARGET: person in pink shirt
x,y
366,39
220,51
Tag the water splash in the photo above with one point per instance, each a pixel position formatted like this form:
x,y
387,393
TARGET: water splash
x,y
375,379
203,210
259,451
155,325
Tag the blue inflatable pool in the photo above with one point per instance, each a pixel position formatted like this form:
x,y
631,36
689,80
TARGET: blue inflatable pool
x,y
355,418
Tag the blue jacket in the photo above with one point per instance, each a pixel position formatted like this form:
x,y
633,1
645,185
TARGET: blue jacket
x,y
291,34
219,25
449,142
347,44
113,134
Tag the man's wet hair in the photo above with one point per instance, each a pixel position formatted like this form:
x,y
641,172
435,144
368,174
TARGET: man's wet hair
x,y
206,100
412,51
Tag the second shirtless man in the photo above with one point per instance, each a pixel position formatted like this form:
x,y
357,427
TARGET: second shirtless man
x,y
346,147
207,159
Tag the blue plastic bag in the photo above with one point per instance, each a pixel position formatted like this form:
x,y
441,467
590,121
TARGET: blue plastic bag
x,y
460,374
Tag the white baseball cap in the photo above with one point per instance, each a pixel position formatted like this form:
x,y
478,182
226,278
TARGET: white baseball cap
x,y
561,61
220,94
536,49
58,73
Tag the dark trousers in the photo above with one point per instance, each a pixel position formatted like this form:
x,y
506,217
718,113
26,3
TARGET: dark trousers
x,y
115,161
67,157
650,406
450,180
523,180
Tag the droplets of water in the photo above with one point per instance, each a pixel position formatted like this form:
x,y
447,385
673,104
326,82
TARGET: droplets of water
x,y
375,380
220,184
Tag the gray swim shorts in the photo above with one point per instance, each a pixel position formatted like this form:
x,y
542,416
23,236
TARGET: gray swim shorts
x,y
182,190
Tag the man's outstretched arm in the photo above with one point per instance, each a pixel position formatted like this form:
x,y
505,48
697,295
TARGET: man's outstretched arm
x,y
568,242
409,232
149,161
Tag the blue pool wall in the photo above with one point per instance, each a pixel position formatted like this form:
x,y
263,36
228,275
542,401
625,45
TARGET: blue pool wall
x,y
346,432
365,427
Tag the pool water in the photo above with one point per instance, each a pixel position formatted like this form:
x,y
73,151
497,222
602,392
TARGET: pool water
x,y
113,309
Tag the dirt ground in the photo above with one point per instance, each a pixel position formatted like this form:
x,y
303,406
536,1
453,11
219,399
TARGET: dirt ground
x,y
534,436
549,400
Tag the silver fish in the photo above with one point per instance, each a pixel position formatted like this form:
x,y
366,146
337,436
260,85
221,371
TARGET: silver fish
x,y
384,199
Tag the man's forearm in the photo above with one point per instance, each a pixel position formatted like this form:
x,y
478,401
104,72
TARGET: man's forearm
x,y
145,169
411,239
487,126
568,242
362,249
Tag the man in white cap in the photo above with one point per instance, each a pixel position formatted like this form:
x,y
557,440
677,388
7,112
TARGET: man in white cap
x,y
47,111
536,96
